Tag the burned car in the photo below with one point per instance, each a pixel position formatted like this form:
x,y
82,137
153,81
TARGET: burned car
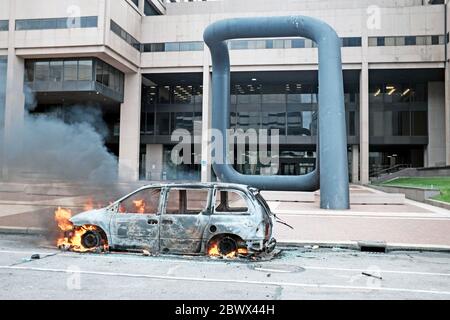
x,y
216,219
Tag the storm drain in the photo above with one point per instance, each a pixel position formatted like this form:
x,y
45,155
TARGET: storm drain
x,y
279,268
373,246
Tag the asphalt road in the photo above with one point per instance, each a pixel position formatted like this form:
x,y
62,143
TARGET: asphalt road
x,y
295,274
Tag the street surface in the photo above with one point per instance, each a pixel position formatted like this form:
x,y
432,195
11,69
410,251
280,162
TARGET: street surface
x,y
295,274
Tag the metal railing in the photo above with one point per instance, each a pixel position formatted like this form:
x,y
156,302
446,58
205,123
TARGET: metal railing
x,y
384,170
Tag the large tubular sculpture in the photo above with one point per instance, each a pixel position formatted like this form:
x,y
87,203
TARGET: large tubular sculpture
x,y
331,173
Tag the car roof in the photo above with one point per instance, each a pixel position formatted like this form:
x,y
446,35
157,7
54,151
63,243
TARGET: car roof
x,y
200,185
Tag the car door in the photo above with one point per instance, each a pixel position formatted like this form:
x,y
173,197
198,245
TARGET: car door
x,y
184,219
232,213
135,224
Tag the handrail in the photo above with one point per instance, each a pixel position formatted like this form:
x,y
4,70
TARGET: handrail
x,y
391,169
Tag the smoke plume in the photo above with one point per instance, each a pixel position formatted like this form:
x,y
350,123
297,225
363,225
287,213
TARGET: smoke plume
x,y
66,143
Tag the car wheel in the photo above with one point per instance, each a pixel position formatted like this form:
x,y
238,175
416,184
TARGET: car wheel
x,y
227,245
91,239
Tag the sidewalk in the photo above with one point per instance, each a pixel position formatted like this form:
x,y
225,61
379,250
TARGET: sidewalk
x,y
30,209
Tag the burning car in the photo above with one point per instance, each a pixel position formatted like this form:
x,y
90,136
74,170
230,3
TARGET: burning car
x,y
216,219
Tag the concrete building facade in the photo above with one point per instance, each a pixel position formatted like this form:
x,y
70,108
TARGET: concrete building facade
x,y
145,64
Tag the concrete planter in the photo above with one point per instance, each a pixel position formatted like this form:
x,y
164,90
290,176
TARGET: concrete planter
x,y
417,194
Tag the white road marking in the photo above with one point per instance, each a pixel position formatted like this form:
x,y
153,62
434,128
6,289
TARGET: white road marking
x,y
380,271
272,270
180,261
250,282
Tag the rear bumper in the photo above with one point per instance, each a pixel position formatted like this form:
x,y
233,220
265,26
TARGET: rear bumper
x,y
262,245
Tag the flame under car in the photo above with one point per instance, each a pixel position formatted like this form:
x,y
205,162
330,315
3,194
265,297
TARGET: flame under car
x,y
216,219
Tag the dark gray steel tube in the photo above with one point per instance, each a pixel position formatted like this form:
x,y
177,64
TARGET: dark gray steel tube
x,y
332,138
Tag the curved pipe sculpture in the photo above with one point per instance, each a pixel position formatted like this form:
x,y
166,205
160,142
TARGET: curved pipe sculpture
x,y
332,147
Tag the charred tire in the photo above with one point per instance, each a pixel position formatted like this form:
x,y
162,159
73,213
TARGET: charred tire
x,y
226,245
91,239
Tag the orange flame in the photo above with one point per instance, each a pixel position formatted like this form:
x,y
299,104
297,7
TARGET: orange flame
x,y
71,236
140,206
214,251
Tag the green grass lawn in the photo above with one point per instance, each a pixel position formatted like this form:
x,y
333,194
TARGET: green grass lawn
x,y
442,183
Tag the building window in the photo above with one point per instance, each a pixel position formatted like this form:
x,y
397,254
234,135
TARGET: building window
x,y
351,42
56,71
4,25
406,41
85,70
41,71
70,70
128,38
57,23
149,9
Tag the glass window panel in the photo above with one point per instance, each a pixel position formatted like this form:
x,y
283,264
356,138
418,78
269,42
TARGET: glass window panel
x,y
278,44
399,41
298,43
89,22
376,93
85,70
401,123
381,42
70,70
422,40
352,123
99,71
162,123
56,71
29,71
269,44
42,71
389,41
373,42
4,25
419,123
106,75
410,41
434,40
239,44
172,46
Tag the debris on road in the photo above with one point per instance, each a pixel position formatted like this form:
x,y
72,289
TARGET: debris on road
x,y
35,257
371,275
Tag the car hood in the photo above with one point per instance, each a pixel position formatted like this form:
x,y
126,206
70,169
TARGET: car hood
x,y
89,217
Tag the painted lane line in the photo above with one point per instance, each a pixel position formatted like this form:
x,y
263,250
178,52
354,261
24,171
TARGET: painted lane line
x,y
249,282
380,271
272,270
225,263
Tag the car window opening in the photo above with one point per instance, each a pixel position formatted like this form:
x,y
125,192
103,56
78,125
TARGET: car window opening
x,y
230,202
142,202
187,201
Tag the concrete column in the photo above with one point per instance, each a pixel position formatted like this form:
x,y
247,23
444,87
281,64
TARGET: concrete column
x,y
364,124
206,173
154,162
14,97
355,163
435,151
447,113
141,6
447,94
130,127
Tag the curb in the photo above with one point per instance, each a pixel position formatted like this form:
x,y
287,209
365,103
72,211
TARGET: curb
x,y
357,245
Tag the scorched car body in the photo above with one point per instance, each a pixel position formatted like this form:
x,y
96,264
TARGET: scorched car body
x,y
195,218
